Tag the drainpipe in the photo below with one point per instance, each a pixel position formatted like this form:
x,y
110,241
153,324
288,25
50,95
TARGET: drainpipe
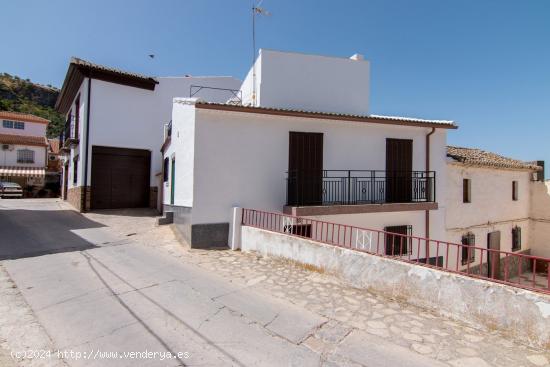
x,y
86,145
427,212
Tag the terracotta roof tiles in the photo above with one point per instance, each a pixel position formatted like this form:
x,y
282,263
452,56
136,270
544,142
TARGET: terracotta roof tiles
x,y
23,140
482,158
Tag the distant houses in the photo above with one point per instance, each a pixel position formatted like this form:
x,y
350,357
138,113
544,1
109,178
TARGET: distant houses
x,y
26,155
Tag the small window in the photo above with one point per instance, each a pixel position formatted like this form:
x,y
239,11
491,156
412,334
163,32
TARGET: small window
x,y
166,169
398,240
514,190
75,170
8,124
52,158
466,190
25,156
516,238
468,254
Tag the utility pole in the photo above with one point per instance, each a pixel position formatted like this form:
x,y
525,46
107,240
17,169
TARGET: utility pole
x,y
260,11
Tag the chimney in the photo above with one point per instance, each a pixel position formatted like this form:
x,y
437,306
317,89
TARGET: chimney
x,y
357,57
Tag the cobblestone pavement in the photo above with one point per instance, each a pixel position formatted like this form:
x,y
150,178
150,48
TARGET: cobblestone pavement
x,y
352,313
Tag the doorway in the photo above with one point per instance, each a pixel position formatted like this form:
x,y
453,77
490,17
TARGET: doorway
x,y
493,258
399,170
305,169
65,181
173,181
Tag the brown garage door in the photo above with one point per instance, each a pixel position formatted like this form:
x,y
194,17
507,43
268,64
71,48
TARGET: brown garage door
x,y
120,178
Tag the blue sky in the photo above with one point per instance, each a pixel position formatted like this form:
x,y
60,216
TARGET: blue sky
x,y
482,63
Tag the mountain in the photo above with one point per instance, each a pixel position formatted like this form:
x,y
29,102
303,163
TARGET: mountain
x,y
22,95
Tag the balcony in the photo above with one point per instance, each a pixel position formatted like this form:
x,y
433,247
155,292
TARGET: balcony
x,y
69,136
325,192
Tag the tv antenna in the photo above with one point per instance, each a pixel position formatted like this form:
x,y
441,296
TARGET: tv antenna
x,y
256,10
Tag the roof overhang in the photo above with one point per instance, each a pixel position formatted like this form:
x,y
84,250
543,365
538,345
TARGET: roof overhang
x,y
387,120
79,70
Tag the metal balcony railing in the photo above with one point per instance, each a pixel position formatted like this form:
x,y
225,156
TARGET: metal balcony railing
x,y
353,187
510,268
233,96
69,135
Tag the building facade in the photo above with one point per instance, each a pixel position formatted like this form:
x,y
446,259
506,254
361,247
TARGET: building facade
x,y
317,154
114,128
490,205
24,148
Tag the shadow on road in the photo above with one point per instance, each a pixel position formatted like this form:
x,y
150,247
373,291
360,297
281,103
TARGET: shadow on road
x,y
27,233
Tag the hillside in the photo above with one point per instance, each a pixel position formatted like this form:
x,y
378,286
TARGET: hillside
x,y
21,95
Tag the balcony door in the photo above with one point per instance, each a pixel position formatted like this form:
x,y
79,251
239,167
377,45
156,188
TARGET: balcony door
x,y
305,168
398,170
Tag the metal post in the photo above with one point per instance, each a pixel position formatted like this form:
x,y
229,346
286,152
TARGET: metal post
x,y
349,187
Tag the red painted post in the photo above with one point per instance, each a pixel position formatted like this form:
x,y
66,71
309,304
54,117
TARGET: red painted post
x,y
534,272
447,256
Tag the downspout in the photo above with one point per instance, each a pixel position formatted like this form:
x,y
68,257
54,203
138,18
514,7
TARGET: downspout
x,y
427,212
86,145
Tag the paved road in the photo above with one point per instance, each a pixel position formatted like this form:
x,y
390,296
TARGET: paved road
x,y
99,291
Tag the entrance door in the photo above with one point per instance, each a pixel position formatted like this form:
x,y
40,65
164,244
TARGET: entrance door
x,y
398,170
305,169
120,178
493,258
173,181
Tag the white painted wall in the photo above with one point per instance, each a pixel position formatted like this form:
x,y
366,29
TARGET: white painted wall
x,y
241,159
540,218
127,117
31,128
491,207
310,82
9,157
182,148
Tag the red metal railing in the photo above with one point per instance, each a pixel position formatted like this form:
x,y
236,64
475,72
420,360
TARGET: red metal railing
x,y
515,269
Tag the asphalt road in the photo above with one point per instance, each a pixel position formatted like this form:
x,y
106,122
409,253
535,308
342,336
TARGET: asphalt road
x,y
97,293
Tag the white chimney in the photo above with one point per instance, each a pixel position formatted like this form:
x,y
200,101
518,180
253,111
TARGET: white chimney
x,y
358,57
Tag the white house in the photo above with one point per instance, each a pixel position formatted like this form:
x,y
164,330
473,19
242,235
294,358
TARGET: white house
x,y
490,204
24,147
114,129
303,142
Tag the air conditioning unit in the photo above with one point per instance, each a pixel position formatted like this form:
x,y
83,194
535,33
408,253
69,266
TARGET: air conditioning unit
x,y
7,147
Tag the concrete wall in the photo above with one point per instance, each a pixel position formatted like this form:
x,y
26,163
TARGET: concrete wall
x,y
540,218
31,128
9,157
522,314
310,82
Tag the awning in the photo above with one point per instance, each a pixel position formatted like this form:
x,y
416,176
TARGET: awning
x,y
22,171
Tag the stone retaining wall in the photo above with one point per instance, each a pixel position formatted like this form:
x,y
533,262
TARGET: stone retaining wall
x,y
520,314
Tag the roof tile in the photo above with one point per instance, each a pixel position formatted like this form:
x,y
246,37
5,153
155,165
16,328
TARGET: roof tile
x,y
23,140
482,158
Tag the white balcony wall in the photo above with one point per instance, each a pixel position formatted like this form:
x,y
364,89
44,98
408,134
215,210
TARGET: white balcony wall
x,y
309,82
